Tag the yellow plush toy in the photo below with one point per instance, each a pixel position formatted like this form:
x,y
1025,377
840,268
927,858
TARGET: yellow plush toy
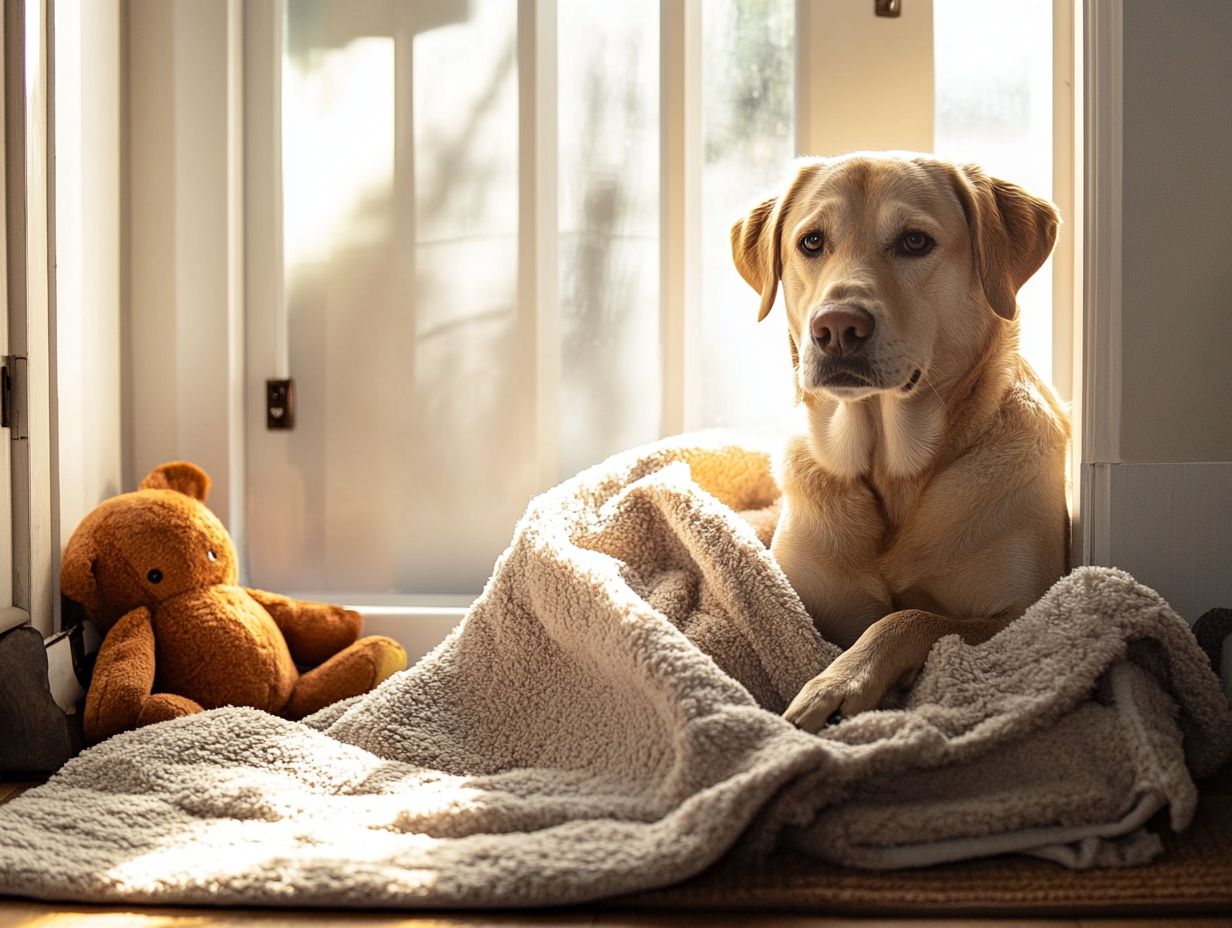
x,y
156,572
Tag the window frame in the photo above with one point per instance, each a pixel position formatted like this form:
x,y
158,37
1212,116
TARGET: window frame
x,y
680,38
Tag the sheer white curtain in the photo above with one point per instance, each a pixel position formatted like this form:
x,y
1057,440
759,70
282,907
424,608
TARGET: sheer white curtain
x,y
412,454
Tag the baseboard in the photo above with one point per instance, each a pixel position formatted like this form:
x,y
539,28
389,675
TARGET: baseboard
x,y
1170,526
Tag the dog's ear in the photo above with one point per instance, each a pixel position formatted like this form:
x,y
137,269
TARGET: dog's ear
x,y
756,239
1012,234
755,249
795,363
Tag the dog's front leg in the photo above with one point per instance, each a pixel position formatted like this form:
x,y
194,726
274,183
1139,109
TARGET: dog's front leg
x,y
891,650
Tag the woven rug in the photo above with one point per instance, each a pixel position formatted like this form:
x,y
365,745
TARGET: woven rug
x,y
1193,876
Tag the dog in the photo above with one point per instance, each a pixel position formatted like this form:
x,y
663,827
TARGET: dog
x,y
927,494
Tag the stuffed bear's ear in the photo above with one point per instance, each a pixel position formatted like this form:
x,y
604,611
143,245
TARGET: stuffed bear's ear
x,y
77,580
181,476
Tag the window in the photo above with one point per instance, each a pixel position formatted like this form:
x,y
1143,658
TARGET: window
x,y
994,107
437,392
748,144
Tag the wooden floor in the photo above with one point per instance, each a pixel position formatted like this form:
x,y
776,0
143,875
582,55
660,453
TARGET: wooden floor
x,y
16,913
35,916
30,915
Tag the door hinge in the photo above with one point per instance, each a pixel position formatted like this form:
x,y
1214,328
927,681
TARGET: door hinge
x,y
13,415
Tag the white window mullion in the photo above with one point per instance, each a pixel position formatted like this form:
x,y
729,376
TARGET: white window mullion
x,y
680,203
1063,194
266,350
538,220
266,330
1066,258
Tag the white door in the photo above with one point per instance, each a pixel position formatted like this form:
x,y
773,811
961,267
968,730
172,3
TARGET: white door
x,y
490,242
10,616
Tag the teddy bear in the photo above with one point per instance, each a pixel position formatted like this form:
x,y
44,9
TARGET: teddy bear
x,y
156,572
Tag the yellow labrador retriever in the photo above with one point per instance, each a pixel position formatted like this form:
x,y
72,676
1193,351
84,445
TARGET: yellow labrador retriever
x,y
927,497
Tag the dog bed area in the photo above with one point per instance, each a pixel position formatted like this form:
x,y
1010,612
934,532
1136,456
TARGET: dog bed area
x,y
605,724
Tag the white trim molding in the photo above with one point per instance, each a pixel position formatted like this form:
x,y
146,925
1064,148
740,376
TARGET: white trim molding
x,y
28,156
1166,524
1098,338
418,623
1103,142
538,218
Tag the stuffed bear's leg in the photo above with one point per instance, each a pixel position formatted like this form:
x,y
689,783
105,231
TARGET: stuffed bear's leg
x,y
163,706
353,670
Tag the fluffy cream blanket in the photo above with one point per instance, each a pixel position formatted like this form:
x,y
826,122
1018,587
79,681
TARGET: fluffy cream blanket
x,y
606,719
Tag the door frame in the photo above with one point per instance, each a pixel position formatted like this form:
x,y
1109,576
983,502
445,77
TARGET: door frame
x,y
28,287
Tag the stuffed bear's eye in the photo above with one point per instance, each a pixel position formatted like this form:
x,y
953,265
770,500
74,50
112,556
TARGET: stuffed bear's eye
x,y
211,555
155,576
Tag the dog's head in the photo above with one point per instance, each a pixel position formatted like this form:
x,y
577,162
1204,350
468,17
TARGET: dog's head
x,y
894,267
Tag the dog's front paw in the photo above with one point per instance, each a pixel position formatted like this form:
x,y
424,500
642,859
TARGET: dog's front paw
x,y
832,696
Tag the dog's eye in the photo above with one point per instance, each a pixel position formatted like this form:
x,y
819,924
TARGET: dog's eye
x,y
812,243
915,244
155,576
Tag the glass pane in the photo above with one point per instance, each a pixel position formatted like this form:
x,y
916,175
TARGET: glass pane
x,y
749,143
413,450
608,125
994,107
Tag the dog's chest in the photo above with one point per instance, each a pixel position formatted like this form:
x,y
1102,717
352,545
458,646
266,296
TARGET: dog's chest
x,y
897,503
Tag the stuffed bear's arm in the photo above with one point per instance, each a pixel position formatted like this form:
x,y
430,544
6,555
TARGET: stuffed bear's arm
x,y
119,695
314,631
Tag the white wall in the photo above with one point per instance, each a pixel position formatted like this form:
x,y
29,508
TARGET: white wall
x,y
87,242
873,86
183,317
1177,182
1165,479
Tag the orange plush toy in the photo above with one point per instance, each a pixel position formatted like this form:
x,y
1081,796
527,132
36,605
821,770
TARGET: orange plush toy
x,y
156,572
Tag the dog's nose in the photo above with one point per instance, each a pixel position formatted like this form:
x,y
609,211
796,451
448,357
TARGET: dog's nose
x,y
842,330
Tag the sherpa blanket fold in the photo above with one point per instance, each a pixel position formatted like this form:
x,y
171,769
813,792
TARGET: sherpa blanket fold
x,y
606,719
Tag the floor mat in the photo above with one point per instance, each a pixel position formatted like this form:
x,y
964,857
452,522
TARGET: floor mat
x,y
1193,876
